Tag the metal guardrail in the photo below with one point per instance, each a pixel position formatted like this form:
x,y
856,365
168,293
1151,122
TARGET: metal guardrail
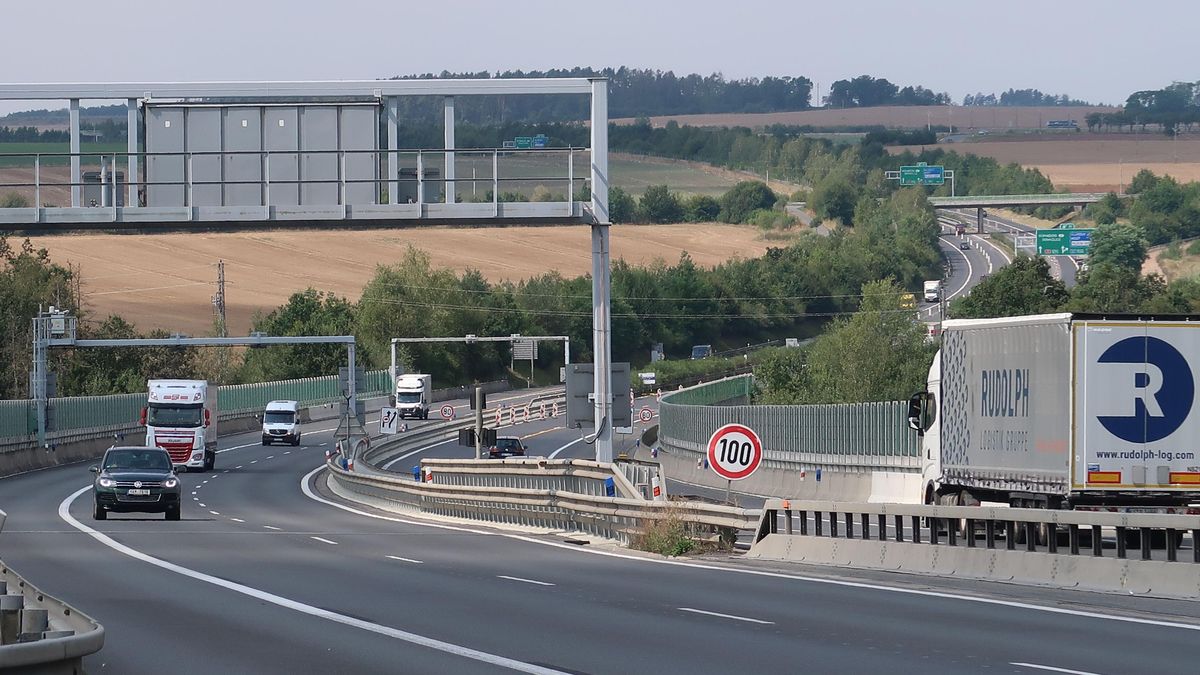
x,y
1034,530
851,435
39,633
567,495
84,417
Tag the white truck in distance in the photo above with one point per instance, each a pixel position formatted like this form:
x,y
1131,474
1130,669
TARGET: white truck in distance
x,y
414,395
181,417
933,290
1063,411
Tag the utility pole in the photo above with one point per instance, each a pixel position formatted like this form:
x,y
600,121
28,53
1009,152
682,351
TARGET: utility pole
x,y
218,300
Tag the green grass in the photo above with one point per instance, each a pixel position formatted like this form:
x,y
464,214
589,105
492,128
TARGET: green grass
x,y
42,148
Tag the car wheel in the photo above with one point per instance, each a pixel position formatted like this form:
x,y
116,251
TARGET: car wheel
x,y
266,441
98,512
173,513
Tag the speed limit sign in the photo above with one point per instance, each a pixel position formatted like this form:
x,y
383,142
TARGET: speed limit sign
x,y
447,412
646,414
734,451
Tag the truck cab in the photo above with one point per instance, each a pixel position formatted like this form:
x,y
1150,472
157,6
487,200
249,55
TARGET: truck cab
x,y
181,417
281,422
923,418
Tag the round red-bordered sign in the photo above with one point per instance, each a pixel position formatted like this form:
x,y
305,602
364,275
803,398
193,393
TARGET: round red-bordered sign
x,y
734,451
447,412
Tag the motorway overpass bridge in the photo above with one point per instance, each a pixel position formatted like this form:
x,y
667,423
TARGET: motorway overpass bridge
x,y
981,202
205,155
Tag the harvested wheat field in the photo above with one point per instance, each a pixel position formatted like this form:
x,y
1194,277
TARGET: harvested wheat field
x,y
167,280
1091,162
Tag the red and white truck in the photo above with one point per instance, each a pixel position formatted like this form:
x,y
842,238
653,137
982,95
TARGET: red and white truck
x,y
181,417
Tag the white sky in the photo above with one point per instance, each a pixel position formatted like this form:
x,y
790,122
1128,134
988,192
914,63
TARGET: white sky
x,y
1098,50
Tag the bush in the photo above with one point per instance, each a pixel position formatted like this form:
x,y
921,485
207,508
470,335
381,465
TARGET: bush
x,y
834,199
621,207
744,199
703,209
770,219
659,205
1194,248
1173,251
667,536
12,200
542,193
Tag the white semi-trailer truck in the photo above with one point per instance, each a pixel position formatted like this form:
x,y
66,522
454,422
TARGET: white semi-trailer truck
x,y
1063,411
181,417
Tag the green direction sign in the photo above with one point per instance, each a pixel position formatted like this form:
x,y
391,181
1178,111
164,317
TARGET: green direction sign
x,y
1063,241
524,142
922,174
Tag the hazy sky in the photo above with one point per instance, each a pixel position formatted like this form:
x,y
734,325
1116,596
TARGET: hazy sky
x,y
1099,50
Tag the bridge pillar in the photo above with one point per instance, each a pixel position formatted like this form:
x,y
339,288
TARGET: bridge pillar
x,y
601,273
979,219
449,174
76,188
131,146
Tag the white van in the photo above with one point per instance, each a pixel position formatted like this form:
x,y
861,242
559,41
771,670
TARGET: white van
x,y
281,422
933,290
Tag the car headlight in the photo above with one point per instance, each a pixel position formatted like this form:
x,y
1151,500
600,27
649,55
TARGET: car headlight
x,y
171,482
107,482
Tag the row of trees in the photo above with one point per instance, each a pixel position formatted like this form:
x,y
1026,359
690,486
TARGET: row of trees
x,y
1165,210
1169,108
866,91
1021,97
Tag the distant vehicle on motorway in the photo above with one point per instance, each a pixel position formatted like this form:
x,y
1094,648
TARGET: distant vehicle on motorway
x,y
134,479
701,351
960,230
281,422
181,417
507,446
964,245
933,290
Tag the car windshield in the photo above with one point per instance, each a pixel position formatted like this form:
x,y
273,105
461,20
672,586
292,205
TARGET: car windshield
x,y
160,415
408,397
279,417
147,460
507,443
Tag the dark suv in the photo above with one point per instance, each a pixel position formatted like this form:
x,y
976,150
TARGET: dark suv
x,y
135,479
507,446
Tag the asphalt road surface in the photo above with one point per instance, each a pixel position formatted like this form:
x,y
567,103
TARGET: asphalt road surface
x,y
264,576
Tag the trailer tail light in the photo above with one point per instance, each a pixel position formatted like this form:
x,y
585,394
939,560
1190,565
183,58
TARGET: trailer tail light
x,y
142,418
207,417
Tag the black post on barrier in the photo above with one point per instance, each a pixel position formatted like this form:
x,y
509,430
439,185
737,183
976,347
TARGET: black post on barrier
x,y
804,522
882,527
866,526
1172,550
1144,540
1097,542
1010,535
916,529
990,533
1120,541
1073,536
899,528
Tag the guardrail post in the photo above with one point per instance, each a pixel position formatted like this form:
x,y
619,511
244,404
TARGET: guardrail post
x,y
804,522
817,520
1120,541
788,520
916,530
1196,545
899,528
934,529
849,525
1172,552
833,524
952,531
1051,538
866,525
989,533
1030,536
1145,542
970,533
1073,538
882,527
1097,542
1010,535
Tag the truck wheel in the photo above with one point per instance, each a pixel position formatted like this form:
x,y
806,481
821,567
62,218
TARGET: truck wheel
x,y
296,441
210,460
98,512
173,513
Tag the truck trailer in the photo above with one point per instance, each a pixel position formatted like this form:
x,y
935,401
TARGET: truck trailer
x,y
1063,411
181,417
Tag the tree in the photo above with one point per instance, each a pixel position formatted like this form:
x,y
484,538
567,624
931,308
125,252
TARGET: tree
x,y
659,205
834,199
28,280
1142,181
743,199
309,312
702,209
621,206
1023,287
1122,246
877,354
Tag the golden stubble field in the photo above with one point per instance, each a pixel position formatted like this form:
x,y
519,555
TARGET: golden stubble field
x,y
909,117
167,280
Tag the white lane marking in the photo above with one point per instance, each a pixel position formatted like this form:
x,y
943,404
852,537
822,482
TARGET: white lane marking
x,y
203,506
237,447
225,471
270,527
387,466
215,513
555,453
1014,604
271,457
286,452
237,520
1052,669
327,541
193,492
239,466
204,483
254,461
64,512
525,581
408,560
726,616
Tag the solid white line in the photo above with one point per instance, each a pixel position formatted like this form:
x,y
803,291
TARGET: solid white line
x,y
270,527
237,520
237,447
304,487
64,512
524,581
726,616
322,445
970,270
1051,668
555,453
387,466
408,560
324,540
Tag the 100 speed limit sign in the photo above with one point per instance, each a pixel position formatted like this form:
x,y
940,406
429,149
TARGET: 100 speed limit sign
x,y
734,451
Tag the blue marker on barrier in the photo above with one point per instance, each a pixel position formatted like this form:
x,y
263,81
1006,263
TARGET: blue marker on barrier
x,y
416,472
818,475
610,487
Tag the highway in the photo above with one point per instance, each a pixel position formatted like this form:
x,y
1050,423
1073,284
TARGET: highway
x,y
964,268
1063,267
262,575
